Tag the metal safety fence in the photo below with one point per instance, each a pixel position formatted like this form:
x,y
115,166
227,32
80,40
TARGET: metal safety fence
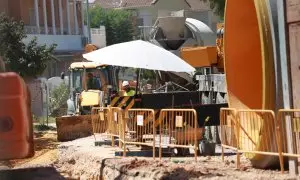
x,y
115,125
228,129
101,117
139,129
178,129
289,120
256,135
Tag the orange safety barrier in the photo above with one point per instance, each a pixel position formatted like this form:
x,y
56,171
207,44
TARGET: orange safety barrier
x,y
115,125
292,115
16,129
139,129
228,129
256,135
179,128
101,117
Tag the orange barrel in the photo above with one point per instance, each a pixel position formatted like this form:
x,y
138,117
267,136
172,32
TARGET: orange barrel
x,y
16,131
249,64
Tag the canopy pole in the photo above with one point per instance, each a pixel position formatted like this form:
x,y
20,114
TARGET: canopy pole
x,y
137,82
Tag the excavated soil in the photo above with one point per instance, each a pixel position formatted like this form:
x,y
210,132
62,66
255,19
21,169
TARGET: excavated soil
x,y
81,159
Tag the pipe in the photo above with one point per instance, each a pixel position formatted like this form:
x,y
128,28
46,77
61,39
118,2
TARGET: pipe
x,y
250,62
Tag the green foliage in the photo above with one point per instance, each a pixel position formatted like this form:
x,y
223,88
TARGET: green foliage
x,y
43,127
27,60
218,6
118,24
59,97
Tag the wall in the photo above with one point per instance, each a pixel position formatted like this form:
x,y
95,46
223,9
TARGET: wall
x,y
98,37
14,9
4,6
36,97
24,10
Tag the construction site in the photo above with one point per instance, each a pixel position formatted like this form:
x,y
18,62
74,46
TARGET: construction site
x,y
219,104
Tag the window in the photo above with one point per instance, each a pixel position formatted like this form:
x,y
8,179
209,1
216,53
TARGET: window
x,y
140,22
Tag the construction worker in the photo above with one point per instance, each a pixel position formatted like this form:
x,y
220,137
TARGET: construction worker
x,y
127,89
92,82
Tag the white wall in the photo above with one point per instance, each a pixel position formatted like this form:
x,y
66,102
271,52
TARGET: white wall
x,y
64,42
98,36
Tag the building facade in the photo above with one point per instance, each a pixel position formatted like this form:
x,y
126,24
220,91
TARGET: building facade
x,y
147,11
59,22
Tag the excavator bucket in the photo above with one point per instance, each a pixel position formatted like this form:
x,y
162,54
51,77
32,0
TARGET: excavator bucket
x,y
73,127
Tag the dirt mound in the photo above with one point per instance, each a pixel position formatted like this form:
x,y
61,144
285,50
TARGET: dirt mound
x,y
43,143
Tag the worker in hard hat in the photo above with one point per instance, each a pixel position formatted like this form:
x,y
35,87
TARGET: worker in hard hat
x,y
127,89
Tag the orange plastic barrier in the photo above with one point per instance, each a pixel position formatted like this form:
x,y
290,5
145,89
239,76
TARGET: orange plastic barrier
x,y
16,131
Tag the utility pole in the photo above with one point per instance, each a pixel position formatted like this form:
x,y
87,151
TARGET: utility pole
x,y
88,21
282,23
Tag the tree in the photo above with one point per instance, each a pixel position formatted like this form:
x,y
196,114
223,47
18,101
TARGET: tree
x,y
218,6
59,96
27,60
118,24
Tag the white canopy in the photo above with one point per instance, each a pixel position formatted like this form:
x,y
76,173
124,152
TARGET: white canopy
x,y
139,54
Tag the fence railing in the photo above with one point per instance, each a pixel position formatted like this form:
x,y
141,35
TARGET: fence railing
x,y
115,125
228,129
252,132
178,128
100,120
34,30
139,128
257,133
292,117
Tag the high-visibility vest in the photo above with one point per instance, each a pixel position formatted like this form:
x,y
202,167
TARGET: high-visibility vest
x,y
130,93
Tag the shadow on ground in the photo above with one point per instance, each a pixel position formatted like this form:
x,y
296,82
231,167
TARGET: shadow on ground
x,y
45,173
183,174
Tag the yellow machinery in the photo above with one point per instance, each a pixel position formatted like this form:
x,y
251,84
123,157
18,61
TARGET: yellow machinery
x,y
206,56
77,123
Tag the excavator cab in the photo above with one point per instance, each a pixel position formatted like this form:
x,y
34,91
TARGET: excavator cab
x,y
84,96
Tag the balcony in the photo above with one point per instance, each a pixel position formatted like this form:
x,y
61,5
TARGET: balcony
x,y
65,41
